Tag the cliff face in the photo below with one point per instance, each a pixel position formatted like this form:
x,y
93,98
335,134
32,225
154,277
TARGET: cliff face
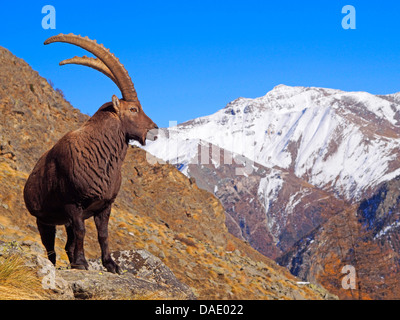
x,y
271,208
158,209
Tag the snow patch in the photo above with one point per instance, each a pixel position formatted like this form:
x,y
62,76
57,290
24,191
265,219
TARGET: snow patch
x,y
269,187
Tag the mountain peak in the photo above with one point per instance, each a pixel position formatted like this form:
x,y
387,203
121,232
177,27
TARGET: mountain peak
x,y
313,131
283,86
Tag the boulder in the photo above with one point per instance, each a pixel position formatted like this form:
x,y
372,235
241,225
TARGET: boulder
x,y
144,276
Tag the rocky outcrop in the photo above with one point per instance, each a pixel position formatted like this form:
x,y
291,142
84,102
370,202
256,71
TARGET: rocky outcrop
x,y
144,276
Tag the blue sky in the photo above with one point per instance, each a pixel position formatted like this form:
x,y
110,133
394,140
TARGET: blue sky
x,y
190,58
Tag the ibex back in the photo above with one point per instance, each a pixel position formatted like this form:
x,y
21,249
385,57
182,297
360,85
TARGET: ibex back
x,y
81,175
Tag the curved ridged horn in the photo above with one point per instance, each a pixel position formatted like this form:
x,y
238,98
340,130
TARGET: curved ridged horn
x,y
117,69
92,63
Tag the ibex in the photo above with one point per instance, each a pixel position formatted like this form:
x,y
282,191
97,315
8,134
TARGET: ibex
x,y
81,175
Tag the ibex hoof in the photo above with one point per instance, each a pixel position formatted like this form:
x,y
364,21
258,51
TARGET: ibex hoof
x,y
112,267
79,266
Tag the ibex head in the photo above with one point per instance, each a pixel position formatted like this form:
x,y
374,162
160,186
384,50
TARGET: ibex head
x,y
135,123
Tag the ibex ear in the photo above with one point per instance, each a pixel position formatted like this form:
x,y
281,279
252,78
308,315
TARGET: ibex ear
x,y
116,103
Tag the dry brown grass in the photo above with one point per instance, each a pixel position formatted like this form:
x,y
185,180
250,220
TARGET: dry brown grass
x,y
17,281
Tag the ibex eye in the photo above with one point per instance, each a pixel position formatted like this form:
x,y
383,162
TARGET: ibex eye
x,y
134,110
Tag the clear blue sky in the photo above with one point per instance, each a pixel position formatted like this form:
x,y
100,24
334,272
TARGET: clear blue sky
x,y
190,58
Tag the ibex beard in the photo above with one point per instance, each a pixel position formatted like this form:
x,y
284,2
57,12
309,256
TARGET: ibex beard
x,y
80,176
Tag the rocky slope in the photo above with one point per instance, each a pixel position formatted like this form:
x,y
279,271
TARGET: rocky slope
x,y
158,209
270,208
366,236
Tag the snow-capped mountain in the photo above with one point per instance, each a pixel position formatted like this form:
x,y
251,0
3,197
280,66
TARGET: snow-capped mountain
x,y
291,169
346,142
284,163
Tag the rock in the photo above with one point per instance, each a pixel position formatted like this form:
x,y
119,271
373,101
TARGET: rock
x,y
34,258
143,274
104,285
51,279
